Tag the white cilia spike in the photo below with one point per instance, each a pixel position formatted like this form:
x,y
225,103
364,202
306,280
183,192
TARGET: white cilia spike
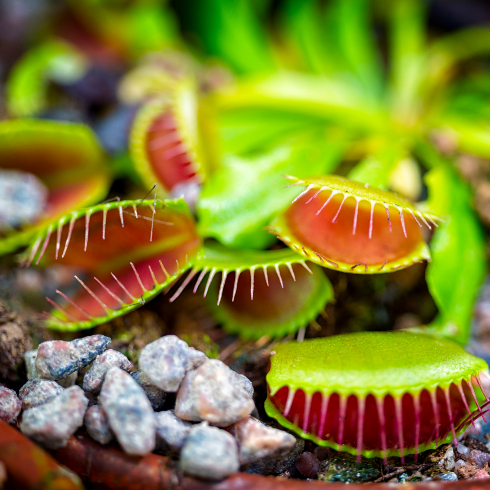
x,y
481,387
315,195
121,285
290,267
87,223
356,210
184,284
301,335
361,409
144,290
399,426
473,394
135,209
155,282
104,222
450,414
266,275
200,278
34,250
435,410
465,402
235,285
323,416
303,263
279,274
382,426
121,217
342,414
252,278
45,244
424,220
79,308
302,193
416,409
402,219
58,307
415,218
289,402
163,269
224,274
70,232
334,220
210,280
58,237
89,291
371,218
332,194
388,216
177,263
117,298
306,413
429,217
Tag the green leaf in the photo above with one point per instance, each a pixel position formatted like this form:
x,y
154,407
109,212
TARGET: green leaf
x,y
458,254
241,199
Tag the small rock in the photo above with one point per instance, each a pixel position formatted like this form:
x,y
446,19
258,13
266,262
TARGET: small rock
x,y
479,457
463,449
278,465
215,393
308,465
129,411
171,431
480,475
166,360
39,391
459,464
209,453
446,476
97,424
154,394
443,457
93,379
345,468
52,424
10,405
30,362
56,359
258,441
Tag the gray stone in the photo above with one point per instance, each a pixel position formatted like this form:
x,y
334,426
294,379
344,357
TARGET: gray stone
x,y
279,464
215,393
171,431
166,360
447,461
93,379
479,457
30,360
154,394
129,411
56,359
10,405
447,476
258,441
209,453
97,424
39,391
52,424
463,449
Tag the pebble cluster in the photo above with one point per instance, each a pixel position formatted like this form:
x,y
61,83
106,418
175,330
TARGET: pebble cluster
x,y
210,428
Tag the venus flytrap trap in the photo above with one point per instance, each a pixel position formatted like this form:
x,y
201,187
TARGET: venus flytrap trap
x,y
133,249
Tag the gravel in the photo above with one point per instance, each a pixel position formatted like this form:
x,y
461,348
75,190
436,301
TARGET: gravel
x,y
258,441
10,405
56,359
171,431
97,424
479,457
30,363
166,360
39,391
93,379
154,394
52,423
214,393
209,453
308,465
129,411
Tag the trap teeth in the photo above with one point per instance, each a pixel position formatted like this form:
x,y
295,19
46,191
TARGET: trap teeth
x,y
342,224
